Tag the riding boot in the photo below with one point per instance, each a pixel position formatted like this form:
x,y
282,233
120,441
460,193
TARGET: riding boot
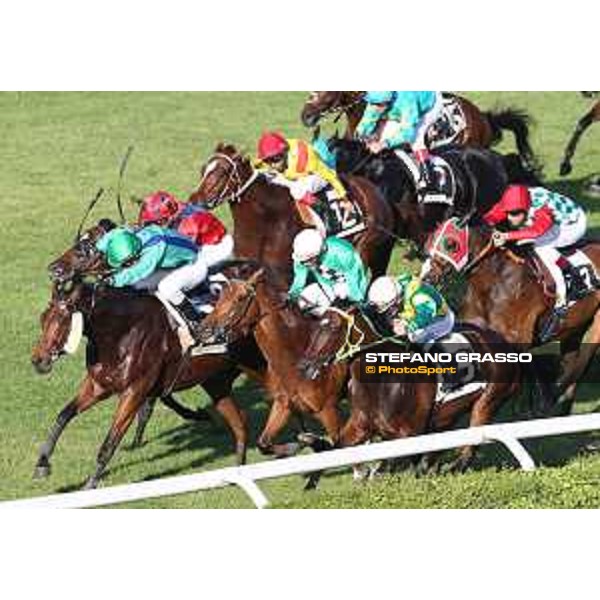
x,y
188,312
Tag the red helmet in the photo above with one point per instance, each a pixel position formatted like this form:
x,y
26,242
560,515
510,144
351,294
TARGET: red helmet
x,y
158,207
516,198
272,144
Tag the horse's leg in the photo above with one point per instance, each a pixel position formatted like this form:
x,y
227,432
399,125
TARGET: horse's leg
x,y
481,414
129,404
279,415
143,417
356,431
594,115
90,393
329,417
219,388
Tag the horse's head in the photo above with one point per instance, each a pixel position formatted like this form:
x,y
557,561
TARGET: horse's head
x,y
224,178
455,248
236,313
62,327
83,258
325,343
321,104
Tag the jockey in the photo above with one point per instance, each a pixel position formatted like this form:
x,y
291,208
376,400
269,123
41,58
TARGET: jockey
x,y
548,220
394,119
301,169
192,221
155,257
326,271
412,308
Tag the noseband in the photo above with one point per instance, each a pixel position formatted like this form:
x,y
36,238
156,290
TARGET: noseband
x,y
233,177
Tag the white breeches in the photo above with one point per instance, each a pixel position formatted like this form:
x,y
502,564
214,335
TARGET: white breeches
x,y
439,329
186,278
216,254
316,299
546,247
311,184
429,119
183,279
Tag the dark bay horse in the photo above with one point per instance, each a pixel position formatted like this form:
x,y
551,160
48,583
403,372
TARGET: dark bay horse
x,y
265,218
480,129
507,294
481,177
259,305
406,406
591,117
134,353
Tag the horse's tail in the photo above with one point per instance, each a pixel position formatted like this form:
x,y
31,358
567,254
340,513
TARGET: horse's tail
x,y
519,123
521,174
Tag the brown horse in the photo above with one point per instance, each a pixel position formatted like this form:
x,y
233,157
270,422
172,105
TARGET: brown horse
x,y
480,129
407,405
591,117
259,304
134,353
265,218
509,295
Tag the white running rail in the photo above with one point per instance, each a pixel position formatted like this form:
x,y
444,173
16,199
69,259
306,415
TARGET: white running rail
x,y
246,477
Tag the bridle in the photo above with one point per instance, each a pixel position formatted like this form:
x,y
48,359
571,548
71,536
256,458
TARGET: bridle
x,y
234,179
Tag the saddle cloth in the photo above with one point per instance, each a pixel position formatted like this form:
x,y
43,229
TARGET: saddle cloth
x,y
580,261
334,216
466,380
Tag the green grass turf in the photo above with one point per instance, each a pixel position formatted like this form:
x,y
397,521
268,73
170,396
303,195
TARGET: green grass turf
x,y
57,149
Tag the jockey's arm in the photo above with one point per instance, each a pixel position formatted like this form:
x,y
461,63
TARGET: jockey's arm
x,y
148,262
369,122
543,221
299,283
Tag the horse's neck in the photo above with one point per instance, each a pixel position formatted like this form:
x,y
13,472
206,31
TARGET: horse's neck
x,y
279,333
354,115
265,222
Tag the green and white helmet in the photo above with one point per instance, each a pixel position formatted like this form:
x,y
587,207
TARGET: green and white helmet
x,y
123,246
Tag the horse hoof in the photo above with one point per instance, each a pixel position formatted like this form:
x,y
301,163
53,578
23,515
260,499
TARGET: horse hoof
x,y
90,484
308,440
42,471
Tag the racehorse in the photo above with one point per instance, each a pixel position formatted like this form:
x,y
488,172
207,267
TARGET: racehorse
x,y
259,305
132,352
506,293
481,177
479,129
406,406
592,116
265,218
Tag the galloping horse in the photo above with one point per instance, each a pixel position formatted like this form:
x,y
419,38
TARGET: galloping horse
x,y
406,406
592,116
480,129
506,294
259,305
481,177
265,218
132,352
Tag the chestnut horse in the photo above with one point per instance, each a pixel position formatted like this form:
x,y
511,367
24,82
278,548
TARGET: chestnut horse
x,y
259,305
265,218
481,129
592,116
406,406
134,353
507,294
